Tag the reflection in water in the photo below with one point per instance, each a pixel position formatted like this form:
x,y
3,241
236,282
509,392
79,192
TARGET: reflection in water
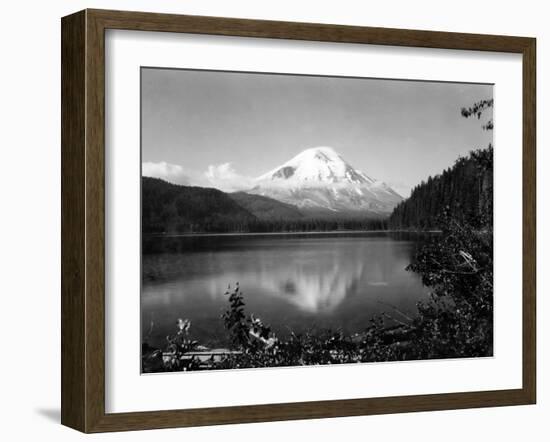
x,y
290,282
314,290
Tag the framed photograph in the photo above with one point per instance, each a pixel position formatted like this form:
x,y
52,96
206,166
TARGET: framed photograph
x,y
269,220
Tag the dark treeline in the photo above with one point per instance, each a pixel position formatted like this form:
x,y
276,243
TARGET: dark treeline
x,y
315,225
463,191
269,226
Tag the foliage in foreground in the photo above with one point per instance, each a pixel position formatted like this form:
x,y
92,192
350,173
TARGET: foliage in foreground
x,y
455,322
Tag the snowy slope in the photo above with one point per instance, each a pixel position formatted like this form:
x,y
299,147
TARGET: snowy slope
x,y
319,178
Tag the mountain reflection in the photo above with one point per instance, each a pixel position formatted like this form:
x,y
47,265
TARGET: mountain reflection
x,y
310,278
314,290
321,288
292,283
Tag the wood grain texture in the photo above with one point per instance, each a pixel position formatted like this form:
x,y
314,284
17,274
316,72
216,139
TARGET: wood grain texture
x,y
83,220
144,21
529,221
73,258
95,222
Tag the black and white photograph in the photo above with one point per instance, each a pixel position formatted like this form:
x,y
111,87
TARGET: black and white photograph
x,y
228,221
299,220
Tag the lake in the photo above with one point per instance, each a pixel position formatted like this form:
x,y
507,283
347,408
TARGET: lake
x,y
293,282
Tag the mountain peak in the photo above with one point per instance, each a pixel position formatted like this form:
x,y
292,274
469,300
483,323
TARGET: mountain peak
x,y
320,151
316,165
319,177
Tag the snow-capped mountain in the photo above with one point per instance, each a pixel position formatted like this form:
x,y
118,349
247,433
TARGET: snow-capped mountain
x,y
320,179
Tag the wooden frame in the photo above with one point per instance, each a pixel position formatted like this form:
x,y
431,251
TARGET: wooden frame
x,y
83,216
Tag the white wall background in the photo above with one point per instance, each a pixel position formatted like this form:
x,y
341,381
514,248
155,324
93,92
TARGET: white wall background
x,y
30,216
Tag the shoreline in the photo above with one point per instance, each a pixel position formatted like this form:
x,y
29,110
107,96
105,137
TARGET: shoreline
x,y
314,232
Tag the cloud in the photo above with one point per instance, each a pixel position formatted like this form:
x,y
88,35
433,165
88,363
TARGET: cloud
x,y
172,173
225,177
221,176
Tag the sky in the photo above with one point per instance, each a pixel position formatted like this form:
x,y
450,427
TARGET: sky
x,y
221,129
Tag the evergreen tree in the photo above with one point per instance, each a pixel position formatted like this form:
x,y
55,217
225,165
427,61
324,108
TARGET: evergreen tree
x,y
464,190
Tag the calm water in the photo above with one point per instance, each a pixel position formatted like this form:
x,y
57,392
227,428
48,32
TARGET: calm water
x,y
292,282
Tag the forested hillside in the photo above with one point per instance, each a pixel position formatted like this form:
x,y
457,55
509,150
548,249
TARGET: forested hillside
x,y
265,208
169,208
463,191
